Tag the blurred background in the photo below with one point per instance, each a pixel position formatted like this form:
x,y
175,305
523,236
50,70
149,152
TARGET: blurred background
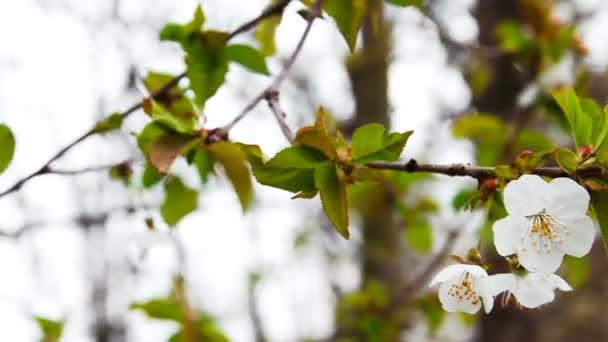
x,y
77,248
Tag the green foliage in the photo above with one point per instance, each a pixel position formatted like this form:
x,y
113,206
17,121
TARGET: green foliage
x,y
513,38
161,145
179,201
150,176
406,3
567,160
7,147
419,235
465,199
333,196
317,136
111,123
206,56
248,57
173,108
370,143
203,162
576,270
265,33
160,308
230,156
487,131
51,330
589,124
433,312
348,15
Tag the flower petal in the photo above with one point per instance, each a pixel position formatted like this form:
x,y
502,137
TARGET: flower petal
x,y
533,291
559,283
452,303
483,288
581,235
566,197
501,282
508,232
456,270
524,196
545,261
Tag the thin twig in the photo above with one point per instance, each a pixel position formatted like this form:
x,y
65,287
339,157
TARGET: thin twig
x,y
314,13
162,91
65,172
273,102
478,172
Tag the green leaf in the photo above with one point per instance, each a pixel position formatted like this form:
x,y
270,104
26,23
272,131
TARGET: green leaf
x,y
434,313
348,15
487,131
333,196
406,3
248,57
161,145
599,201
265,33
567,160
580,122
174,107
370,142
179,201
463,198
160,308
179,33
204,164
51,330
172,32
317,136
534,140
7,147
512,37
111,123
235,164
576,270
419,235
291,169
150,177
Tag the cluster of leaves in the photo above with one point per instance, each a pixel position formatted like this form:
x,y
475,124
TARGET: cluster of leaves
x,y
194,325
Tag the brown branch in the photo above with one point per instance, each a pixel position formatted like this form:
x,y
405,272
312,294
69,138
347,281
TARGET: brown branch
x,y
314,13
273,102
478,172
46,168
65,172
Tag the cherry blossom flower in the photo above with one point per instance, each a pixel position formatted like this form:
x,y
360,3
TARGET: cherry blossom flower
x,y
544,222
531,290
464,288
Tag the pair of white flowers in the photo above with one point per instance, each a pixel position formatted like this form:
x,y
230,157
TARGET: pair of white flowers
x,y
545,221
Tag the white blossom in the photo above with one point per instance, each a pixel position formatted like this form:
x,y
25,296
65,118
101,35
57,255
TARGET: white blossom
x,y
531,290
464,288
544,222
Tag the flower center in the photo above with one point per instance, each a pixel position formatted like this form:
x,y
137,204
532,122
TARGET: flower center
x,y
464,290
545,231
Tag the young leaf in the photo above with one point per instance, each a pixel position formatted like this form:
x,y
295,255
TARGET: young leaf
x,y
150,176
235,164
317,136
580,122
179,33
567,160
204,164
291,169
348,15
599,201
512,37
51,330
7,147
405,3
160,308
265,33
370,142
333,196
248,57
163,151
180,201
111,123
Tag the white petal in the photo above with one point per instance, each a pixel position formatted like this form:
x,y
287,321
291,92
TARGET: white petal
x,y
508,232
524,196
452,304
580,240
484,290
566,197
532,292
557,282
456,270
501,282
545,261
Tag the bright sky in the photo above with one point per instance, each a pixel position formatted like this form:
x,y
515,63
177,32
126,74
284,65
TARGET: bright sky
x,y
64,64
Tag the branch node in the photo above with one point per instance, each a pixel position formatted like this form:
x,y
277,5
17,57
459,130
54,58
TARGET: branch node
x,y
411,165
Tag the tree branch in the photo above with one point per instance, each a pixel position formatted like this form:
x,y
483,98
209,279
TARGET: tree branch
x,y
478,172
46,168
273,87
273,102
